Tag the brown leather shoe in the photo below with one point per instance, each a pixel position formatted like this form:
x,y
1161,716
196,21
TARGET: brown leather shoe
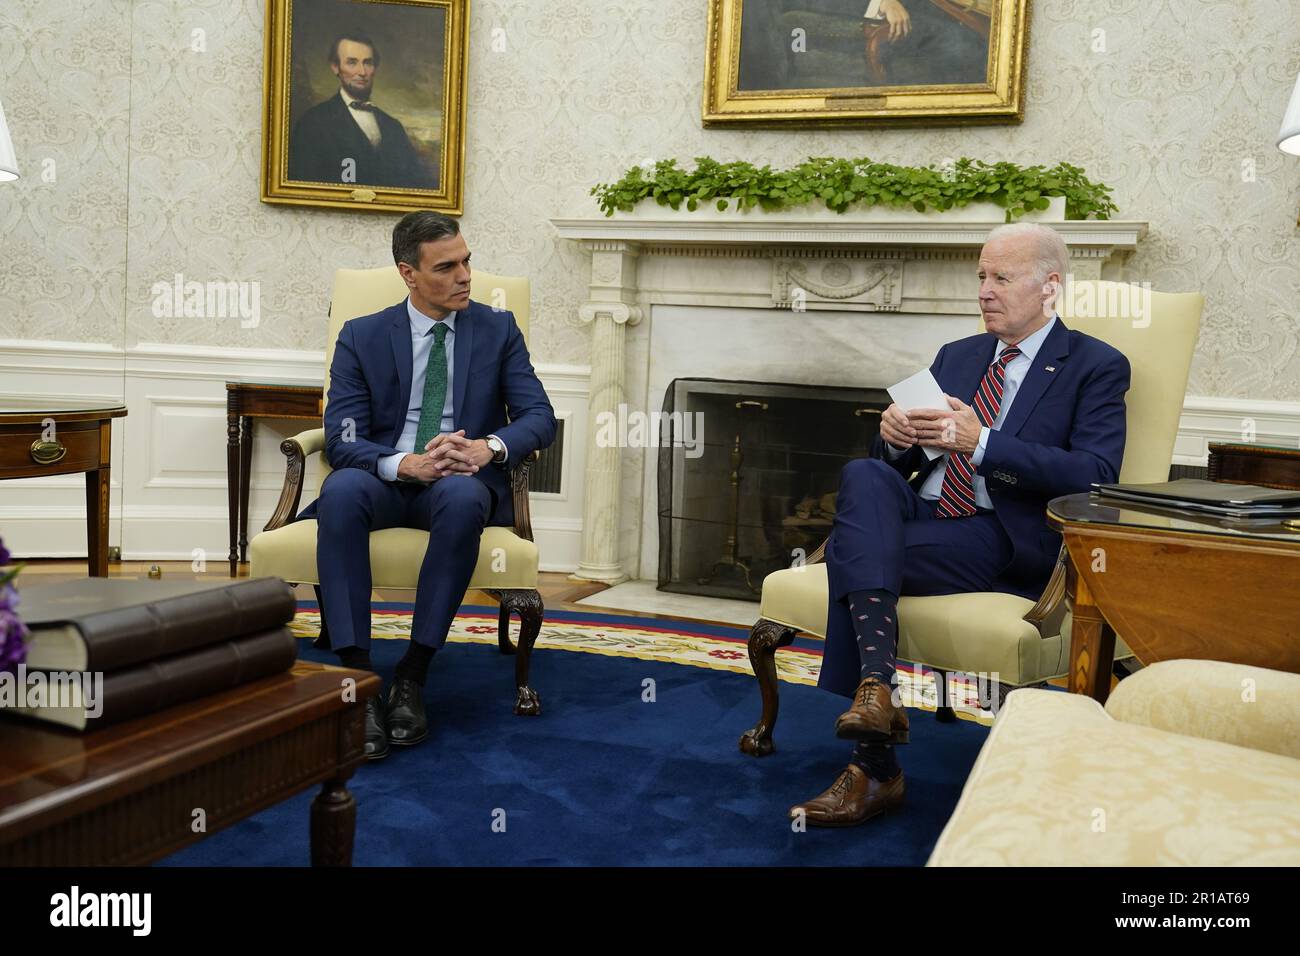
x,y
873,718
852,799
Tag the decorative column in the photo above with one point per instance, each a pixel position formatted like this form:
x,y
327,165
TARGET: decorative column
x,y
611,307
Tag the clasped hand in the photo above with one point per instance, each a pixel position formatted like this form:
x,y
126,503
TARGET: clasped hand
x,y
956,428
449,454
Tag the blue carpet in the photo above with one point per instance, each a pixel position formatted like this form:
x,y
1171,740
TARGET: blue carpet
x,y
603,778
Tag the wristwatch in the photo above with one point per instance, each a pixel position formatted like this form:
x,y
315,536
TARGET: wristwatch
x,y
497,448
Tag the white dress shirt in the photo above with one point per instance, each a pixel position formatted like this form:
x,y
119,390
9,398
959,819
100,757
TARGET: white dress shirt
x,y
1016,371
364,119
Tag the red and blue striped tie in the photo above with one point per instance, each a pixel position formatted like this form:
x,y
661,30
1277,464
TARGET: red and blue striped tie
x,y
957,497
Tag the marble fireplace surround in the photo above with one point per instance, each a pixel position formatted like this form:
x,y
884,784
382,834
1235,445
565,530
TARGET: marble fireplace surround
x,y
851,300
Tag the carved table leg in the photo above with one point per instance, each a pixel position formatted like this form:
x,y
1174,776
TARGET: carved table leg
x,y
245,479
333,824
1092,640
764,639
97,488
232,484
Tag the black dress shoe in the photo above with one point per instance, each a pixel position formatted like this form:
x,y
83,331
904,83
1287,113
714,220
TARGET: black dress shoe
x,y
406,721
376,745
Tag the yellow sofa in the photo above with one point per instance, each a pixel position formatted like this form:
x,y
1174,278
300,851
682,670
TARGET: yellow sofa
x,y
1190,763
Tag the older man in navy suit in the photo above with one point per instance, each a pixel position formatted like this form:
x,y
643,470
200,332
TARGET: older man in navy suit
x,y
1036,410
431,403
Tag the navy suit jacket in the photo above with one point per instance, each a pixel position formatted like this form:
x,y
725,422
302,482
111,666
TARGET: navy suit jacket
x,y
1065,429
494,392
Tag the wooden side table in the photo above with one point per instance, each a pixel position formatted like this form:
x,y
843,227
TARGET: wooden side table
x,y
131,793
48,437
1272,466
1175,585
246,401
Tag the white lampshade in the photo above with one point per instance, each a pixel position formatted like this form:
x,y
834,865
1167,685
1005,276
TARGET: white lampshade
x,y
1288,139
8,161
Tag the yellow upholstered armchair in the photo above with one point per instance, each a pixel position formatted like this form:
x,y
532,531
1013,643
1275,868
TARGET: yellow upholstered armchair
x,y
1022,642
507,558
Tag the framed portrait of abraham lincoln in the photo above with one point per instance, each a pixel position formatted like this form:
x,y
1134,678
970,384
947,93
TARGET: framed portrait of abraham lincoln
x,y
364,104
853,62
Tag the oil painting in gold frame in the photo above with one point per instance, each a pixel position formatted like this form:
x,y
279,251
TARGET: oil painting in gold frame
x,y
865,62
364,104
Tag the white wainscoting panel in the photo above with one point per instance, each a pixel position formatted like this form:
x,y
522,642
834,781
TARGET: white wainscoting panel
x,y
169,488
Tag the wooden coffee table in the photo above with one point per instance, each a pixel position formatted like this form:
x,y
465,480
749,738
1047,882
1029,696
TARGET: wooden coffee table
x,y
134,792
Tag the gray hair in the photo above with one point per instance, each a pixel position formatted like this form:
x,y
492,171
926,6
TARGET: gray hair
x,y
1049,254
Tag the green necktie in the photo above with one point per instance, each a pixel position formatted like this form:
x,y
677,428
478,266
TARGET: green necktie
x,y
435,390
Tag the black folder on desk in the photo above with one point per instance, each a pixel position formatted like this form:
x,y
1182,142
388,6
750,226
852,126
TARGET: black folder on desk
x,y
1209,497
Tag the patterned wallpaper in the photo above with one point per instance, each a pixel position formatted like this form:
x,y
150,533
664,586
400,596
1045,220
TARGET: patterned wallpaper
x,y
140,156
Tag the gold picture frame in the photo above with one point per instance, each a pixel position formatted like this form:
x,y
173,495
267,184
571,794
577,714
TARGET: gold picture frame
x,y
326,143
759,70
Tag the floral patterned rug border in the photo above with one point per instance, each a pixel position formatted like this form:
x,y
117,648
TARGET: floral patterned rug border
x,y
716,647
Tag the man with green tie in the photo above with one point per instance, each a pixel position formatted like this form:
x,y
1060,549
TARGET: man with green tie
x,y
431,402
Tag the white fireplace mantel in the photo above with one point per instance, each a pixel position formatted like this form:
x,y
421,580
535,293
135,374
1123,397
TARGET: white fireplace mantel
x,y
906,263
924,230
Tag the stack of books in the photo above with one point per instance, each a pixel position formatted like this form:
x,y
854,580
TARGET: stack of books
x,y
104,650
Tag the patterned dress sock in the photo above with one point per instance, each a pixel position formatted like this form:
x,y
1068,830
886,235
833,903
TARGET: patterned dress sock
x,y
875,622
877,761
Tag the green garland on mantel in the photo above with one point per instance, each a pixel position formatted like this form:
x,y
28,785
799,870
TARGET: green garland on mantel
x,y
842,183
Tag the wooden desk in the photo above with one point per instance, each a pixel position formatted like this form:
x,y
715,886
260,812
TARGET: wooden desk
x,y
127,794
52,437
246,401
1175,586
1244,464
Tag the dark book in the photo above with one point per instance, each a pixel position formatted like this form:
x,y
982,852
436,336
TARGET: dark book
x,y
1209,497
88,701
105,624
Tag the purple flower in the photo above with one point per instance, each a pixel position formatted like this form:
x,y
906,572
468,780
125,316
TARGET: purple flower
x,y
13,632
13,640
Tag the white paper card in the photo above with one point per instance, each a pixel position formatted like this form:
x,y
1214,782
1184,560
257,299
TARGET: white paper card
x,y
919,391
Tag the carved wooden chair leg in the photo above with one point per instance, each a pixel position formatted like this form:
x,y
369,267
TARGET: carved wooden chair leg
x,y
943,711
528,605
764,639
504,644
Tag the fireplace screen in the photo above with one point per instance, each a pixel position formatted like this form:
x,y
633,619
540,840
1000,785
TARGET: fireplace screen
x,y
747,477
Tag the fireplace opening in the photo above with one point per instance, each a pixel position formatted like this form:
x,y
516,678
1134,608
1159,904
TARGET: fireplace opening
x,y
747,476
